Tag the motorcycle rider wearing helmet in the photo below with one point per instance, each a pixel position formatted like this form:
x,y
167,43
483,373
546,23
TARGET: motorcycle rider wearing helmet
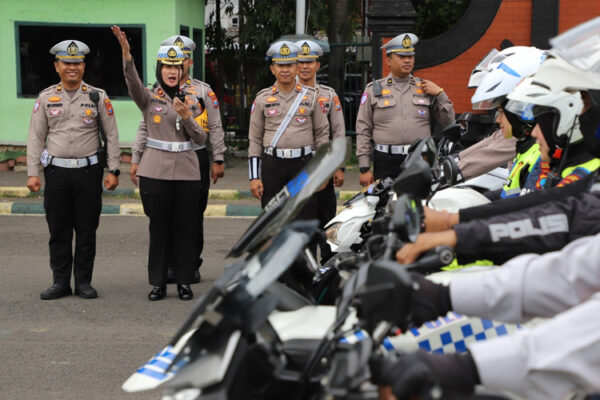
x,y
564,157
491,93
501,237
495,150
548,361
169,173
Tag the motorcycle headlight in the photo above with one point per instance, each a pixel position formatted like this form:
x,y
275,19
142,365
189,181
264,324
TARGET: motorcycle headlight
x,y
331,233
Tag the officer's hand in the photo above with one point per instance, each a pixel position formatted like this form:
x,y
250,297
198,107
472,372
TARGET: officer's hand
x,y
256,188
408,376
34,183
217,171
133,173
338,178
429,87
122,38
182,109
425,242
428,301
437,221
111,181
365,179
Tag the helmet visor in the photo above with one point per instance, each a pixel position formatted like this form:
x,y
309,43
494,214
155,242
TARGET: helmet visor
x,y
489,104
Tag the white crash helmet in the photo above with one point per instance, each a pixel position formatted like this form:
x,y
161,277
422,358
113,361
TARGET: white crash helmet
x,y
556,112
510,67
481,69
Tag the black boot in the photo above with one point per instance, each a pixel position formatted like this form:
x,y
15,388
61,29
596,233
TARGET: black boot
x,y
157,293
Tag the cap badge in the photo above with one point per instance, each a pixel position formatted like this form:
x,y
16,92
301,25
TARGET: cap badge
x,y
284,50
406,42
172,53
305,49
72,50
178,42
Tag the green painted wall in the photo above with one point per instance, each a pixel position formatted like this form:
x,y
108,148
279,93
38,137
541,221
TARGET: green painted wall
x,y
160,18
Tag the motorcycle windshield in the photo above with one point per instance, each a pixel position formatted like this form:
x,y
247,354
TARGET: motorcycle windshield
x,y
290,200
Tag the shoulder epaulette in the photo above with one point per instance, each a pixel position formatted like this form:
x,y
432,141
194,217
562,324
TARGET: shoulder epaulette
x,y
263,91
53,87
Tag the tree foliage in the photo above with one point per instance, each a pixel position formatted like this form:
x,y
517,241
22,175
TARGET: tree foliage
x,y
435,17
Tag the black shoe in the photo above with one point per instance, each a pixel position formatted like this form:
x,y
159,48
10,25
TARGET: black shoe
x,y
56,291
185,292
157,293
86,291
170,275
197,277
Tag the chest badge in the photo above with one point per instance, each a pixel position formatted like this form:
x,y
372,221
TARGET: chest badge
x,y
271,99
422,113
54,99
301,120
301,110
272,111
386,91
88,112
157,119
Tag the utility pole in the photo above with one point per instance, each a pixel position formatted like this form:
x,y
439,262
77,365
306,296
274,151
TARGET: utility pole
x,y
300,16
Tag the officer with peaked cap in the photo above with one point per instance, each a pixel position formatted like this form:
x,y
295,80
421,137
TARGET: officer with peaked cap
x,y
169,172
64,139
308,65
211,122
280,146
397,110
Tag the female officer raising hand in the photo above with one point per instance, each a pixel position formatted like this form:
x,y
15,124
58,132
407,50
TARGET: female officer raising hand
x,y
169,174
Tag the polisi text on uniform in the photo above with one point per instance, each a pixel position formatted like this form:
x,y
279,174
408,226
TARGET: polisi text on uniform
x,y
517,229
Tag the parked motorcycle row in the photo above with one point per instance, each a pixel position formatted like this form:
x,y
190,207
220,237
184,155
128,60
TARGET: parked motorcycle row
x,y
279,325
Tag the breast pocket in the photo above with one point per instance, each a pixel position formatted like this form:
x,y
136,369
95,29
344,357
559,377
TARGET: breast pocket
x,y
422,104
272,112
55,112
385,103
88,115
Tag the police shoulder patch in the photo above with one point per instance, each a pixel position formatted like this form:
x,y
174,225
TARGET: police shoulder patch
x,y
364,98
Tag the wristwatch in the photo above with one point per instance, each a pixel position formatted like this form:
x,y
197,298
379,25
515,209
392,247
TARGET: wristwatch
x,y
364,169
115,172
219,162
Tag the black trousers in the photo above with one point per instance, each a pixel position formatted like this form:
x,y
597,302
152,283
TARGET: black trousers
x,y
172,207
386,165
276,172
204,161
73,202
326,210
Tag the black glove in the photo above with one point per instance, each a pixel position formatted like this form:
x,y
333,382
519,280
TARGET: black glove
x,y
417,373
429,302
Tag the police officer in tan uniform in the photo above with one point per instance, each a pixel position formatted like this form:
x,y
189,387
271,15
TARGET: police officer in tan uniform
x,y
169,172
397,110
64,139
308,65
287,124
210,121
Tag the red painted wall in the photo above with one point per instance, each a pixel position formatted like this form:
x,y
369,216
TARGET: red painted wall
x,y
512,22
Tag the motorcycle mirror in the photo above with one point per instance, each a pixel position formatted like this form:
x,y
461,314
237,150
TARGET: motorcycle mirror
x,y
385,295
452,132
415,179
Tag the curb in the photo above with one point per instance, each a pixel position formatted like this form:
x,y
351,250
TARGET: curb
x,y
136,209
217,194
133,209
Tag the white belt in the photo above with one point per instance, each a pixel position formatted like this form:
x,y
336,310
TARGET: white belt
x,y
388,148
196,146
289,153
74,162
173,147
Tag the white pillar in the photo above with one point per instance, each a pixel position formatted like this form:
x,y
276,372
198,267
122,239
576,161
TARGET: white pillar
x,y
300,16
